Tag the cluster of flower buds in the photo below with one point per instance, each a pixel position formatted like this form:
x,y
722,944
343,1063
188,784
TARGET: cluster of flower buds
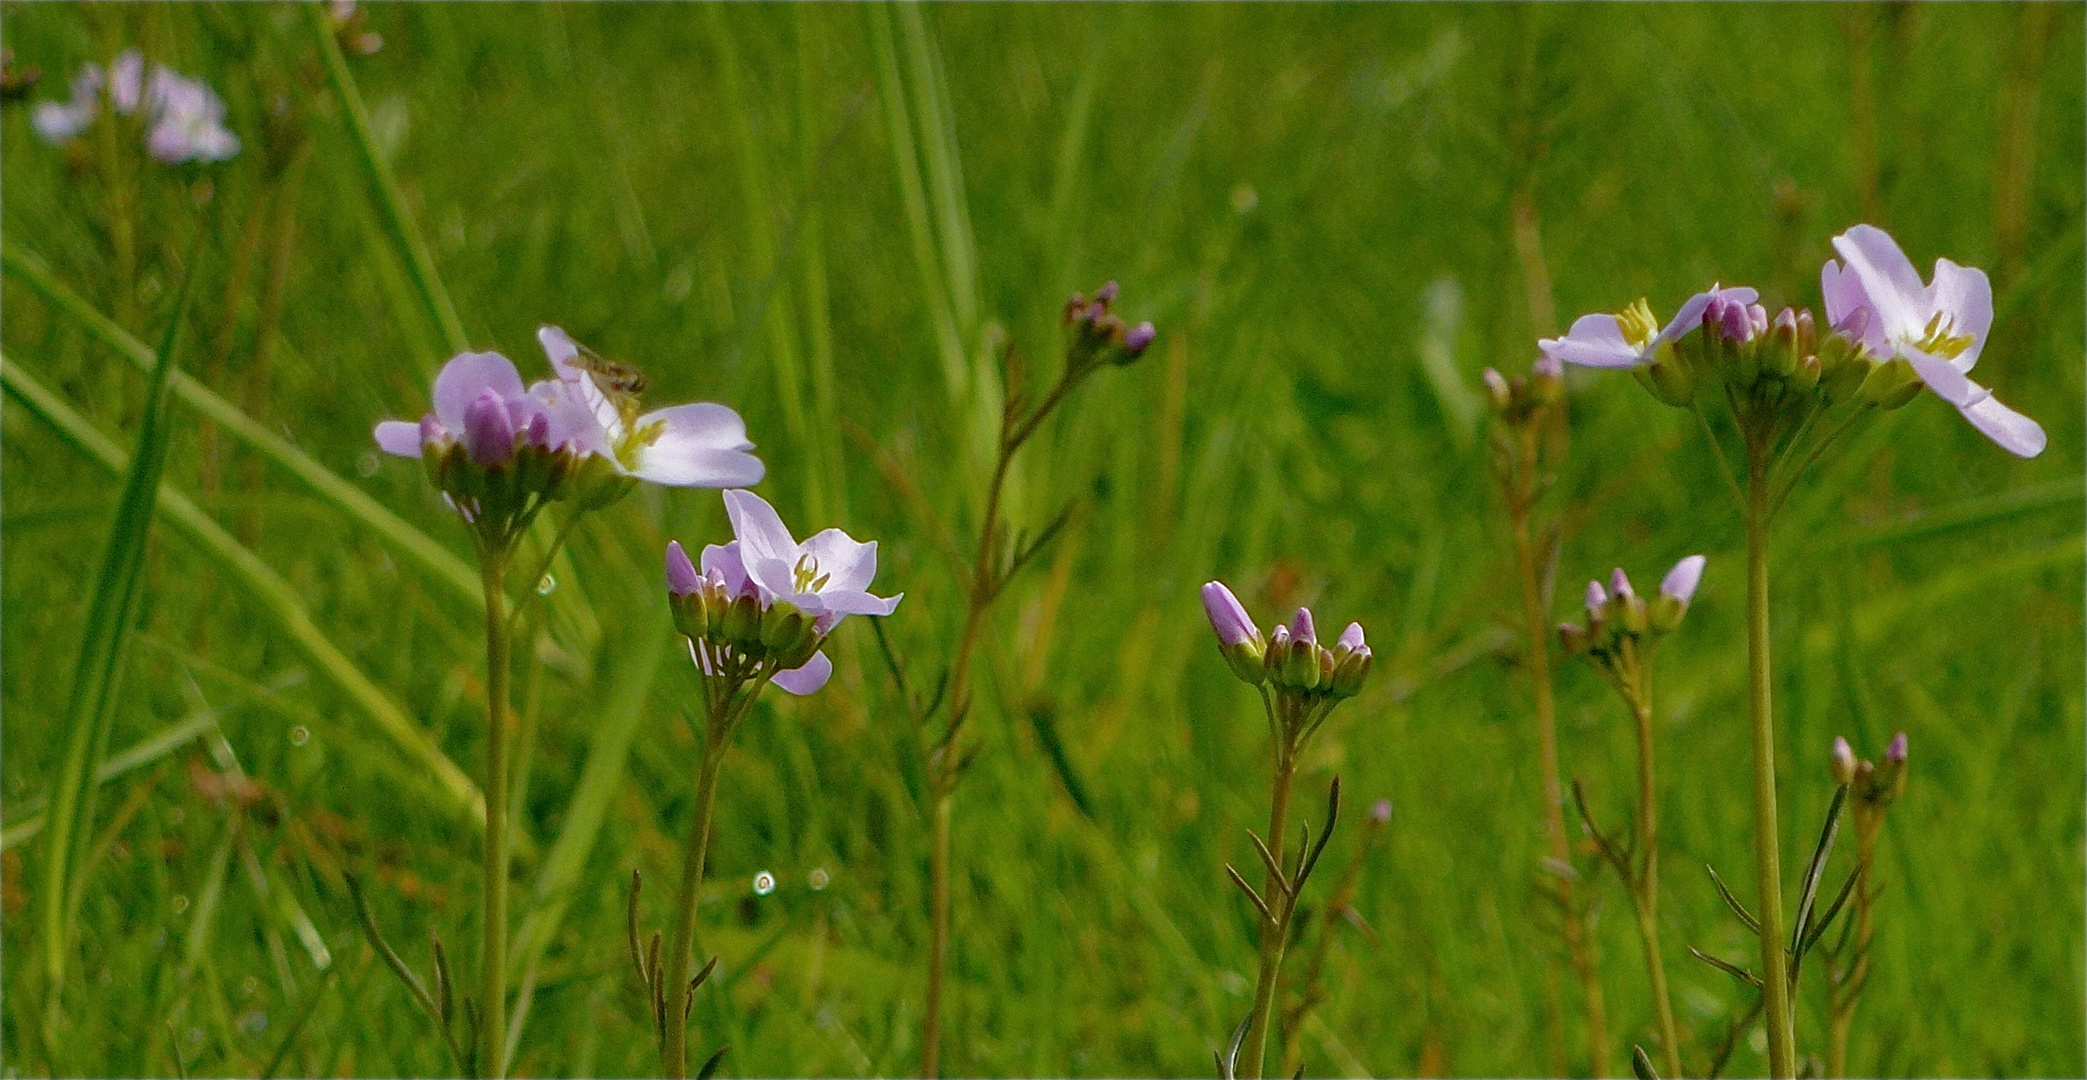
x,y
1290,659
1518,400
1617,614
741,627
1873,786
1099,335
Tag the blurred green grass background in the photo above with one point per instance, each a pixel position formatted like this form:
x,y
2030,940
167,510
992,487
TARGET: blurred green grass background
x,y
826,217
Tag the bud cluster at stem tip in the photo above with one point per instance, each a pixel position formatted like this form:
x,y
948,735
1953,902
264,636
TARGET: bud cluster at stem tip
x,y
1617,614
1873,785
1098,335
1521,399
1290,659
739,629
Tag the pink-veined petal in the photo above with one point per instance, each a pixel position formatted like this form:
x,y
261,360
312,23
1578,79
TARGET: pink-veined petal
x,y
465,377
401,437
844,562
807,679
1964,294
760,530
2010,430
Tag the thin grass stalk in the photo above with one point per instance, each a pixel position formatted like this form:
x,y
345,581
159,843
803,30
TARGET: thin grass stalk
x,y
1645,890
1767,856
276,596
98,674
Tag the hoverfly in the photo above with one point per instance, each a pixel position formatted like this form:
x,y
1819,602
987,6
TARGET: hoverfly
x,y
622,383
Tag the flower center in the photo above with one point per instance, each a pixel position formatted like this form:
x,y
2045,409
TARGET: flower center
x,y
807,576
1940,337
1637,324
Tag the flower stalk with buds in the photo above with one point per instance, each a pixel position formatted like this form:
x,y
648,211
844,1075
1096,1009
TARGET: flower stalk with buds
x,y
1096,337
1890,336
500,453
757,613
1300,681
1619,638
1872,788
1526,411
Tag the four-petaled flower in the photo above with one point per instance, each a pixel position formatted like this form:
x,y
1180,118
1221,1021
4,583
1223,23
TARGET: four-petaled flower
x,y
186,118
1938,328
479,403
697,445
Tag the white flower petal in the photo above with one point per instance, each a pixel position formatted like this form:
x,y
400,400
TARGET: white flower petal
x,y
1593,341
1888,278
1964,294
845,563
465,377
760,530
401,437
2010,430
807,679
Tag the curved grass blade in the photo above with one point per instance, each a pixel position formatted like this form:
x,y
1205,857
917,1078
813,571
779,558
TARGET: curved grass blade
x,y
90,708
274,594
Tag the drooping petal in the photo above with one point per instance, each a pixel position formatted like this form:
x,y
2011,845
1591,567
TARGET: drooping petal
x,y
698,445
1228,617
807,679
401,437
1593,341
1963,294
843,562
1943,378
1888,278
465,377
1680,582
762,535
682,578
2010,430
857,602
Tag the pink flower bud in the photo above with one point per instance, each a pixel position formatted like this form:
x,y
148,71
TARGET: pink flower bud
x,y
681,573
1301,628
1227,616
1619,585
489,433
1680,582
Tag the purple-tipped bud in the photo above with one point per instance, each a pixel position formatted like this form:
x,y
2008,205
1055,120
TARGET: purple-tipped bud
x,y
1301,628
1854,325
1227,615
1548,366
1597,598
1139,338
538,431
1896,752
1497,390
682,578
1106,294
1619,585
1756,320
1680,582
489,431
1844,764
1380,811
1573,637
1351,639
1095,311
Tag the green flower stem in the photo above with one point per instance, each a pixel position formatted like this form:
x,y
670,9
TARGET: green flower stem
x,y
938,930
1645,890
680,952
1849,991
492,998
1539,660
1273,933
1768,869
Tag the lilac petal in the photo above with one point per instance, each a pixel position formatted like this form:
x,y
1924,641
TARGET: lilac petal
x,y
760,530
778,580
489,432
1897,750
563,352
2010,430
1691,314
1593,341
127,81
857,602
1301,628
401,437
723,561
571,422
1597,598
1228,617
1351,638
843,562
1964,294
807,679
57,121
1943,378
1619,584
681,574
465,377
1888,277
1680,582
698,445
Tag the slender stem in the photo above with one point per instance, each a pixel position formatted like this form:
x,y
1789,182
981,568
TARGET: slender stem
x,y
492,998
938,934
1645,890
1272,933
680,950
1850,991
1767,855
1539,659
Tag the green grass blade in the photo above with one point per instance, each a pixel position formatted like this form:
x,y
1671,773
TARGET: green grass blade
x,y
275,595
419,263
448,571
90,709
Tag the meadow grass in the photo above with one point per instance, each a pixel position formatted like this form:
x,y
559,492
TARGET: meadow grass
x,y
826,217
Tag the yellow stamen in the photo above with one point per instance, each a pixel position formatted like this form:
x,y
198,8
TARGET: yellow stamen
x,y
1637,323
